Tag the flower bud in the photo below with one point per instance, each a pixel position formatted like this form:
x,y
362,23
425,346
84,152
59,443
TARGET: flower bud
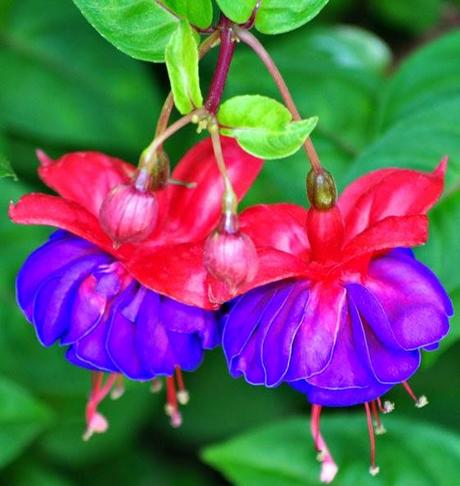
x,y
229,255
321,190
129,213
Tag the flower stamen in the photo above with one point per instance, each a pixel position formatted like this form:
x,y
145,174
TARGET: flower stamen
x,y
387,406
95,421
328,466
183,395
379,428
172,408
420,401
156,385
373,469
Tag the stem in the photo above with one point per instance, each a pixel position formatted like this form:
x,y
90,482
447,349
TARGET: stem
x,y
148,155
230,201
272,68
227,49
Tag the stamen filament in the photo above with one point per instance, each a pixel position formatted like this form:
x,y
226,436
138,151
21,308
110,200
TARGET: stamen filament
x,y
379,428
373,469
183,396
328,466
172,408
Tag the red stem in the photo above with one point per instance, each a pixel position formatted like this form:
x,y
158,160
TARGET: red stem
x,y
227,49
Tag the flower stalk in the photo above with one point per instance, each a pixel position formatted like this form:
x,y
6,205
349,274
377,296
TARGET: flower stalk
x,y
272,68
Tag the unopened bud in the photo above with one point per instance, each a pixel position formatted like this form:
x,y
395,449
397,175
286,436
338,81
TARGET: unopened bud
x,y
229,255
321,190
129,213
160,171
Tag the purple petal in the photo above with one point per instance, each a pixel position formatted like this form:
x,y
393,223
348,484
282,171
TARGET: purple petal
x,y
277,344
181,318
389,364
340,398
247,350
60,250
75,360
316,338
121,341
348,368
413,299
53,300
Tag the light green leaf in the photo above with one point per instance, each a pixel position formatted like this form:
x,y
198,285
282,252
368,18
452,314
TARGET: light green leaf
x,y
278,16
238,12
62,85
22,418
139,28
263,126
181,57
282,454
197,12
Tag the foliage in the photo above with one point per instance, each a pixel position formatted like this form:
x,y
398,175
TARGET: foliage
x,y
64,87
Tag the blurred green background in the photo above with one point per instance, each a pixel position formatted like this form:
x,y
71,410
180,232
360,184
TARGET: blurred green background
x,y
384,78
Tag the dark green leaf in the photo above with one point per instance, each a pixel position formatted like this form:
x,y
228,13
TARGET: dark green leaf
x,y
62,85
282,454
414,16
5,165
278,16
139,28
22,418
238,12
263,126
197,12
181,57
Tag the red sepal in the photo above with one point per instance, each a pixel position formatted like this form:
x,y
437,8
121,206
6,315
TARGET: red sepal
x,y
391,232
84,177
280,226
389,192
195,212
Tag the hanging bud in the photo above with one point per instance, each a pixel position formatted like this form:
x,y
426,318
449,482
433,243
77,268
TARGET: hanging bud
x,y
129,212
229,255
321,190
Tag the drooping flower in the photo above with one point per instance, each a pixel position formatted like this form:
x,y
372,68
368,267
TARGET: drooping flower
x,y
138,310
347,319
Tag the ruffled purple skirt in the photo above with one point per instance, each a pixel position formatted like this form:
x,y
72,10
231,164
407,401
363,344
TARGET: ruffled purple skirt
x,y
76,294
340,342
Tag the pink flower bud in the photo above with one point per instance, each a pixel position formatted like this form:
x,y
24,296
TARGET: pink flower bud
x,y
129,213
229,255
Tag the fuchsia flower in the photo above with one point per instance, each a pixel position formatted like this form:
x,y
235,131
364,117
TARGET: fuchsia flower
x,y
140,309
351,311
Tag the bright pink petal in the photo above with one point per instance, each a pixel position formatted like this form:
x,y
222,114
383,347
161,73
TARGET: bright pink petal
x,y
84,177
280,226
193,213
389,192
43,209
392,232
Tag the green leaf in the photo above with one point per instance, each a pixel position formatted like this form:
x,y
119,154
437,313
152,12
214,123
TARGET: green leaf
x,y
263,126
22,418
238,12
65,87
197,12
278,16
282,454
413,16
139,28
181,57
